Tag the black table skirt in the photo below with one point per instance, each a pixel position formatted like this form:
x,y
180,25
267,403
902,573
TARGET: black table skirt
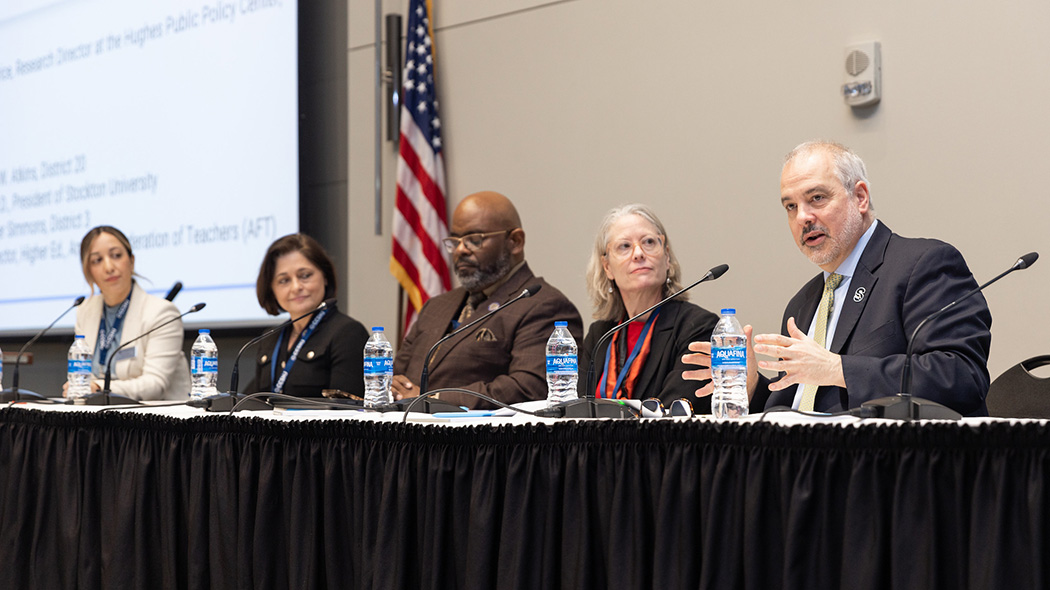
x,y
111,500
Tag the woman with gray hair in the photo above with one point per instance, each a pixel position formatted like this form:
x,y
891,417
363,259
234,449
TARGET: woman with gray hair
x,y
632,268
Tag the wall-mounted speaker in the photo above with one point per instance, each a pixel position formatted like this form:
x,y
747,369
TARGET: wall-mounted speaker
x,y
863,85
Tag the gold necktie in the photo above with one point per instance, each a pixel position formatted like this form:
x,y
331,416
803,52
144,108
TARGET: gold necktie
x,y
468,308
827,307
469,305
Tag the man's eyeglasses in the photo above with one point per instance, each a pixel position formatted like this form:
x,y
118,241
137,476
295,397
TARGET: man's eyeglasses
x,y
472,241
650,245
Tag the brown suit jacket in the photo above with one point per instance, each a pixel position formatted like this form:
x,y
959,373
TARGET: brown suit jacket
x,y
504,357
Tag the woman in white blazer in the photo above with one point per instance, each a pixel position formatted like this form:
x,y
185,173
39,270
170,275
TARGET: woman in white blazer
x,y
155,366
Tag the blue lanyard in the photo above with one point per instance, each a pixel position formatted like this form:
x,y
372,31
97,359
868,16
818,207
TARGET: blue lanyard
x,y
105,338
630,360
295,352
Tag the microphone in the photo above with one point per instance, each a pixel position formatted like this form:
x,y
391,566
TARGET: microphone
x,y
711,275
174,291
1022,263
528,292
13,394
224,402
587,406
105,397
432,405
905,407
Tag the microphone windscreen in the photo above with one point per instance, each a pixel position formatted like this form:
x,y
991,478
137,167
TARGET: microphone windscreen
x,y
533,289
718,271
1027,260
78,301
197,308
174,291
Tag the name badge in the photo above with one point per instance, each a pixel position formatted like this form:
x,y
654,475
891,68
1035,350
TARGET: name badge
x,y
127,353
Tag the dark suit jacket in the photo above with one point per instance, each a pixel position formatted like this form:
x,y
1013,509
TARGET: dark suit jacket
x,y
504,357
333,358
899,281
680,323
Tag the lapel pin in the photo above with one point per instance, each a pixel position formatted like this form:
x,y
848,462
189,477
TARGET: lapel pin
x,y
859,295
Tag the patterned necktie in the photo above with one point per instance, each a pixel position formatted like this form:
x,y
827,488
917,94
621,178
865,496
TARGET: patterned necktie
x,y
468,308
827,307
469,305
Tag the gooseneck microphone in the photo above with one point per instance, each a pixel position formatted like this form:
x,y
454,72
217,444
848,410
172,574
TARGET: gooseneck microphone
x,y
587,406
13,394
174,291
106,397
905,407
711,275
236,363
224,402
431,405
424,377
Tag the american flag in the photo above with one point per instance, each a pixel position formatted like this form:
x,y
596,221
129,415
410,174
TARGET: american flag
x,y
418,260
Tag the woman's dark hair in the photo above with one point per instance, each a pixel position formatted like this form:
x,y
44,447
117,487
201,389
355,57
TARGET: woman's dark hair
x,y
306,246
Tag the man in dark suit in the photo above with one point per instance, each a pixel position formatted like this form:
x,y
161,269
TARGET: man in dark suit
x,y
861,311
505,356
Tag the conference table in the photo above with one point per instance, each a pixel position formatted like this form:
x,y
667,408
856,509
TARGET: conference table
x,y
172,497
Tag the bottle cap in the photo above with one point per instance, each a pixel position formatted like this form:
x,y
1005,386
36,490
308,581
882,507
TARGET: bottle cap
x,y
377,328
204,331
78,336
728,311
561,324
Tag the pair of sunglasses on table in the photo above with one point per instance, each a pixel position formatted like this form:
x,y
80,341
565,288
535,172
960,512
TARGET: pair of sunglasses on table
x,y
654,408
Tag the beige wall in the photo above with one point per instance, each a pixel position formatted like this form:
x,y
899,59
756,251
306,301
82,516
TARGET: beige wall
x,y
573,107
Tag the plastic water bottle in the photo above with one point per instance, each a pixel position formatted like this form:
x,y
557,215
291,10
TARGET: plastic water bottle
x,y
1,369
79,369
204,366
729,367
379,369
562,370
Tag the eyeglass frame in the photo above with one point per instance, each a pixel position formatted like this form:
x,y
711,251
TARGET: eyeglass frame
x,y
452,242
637,244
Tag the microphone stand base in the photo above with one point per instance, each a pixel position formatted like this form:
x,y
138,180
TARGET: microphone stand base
x,y
13,395
224,402
426,406
103,399
907,407
589,407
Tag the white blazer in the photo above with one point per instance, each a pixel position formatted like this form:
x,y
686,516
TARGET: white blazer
x,y
158,369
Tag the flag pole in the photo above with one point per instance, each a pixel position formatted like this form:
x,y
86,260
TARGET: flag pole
x,y
379,120
400,314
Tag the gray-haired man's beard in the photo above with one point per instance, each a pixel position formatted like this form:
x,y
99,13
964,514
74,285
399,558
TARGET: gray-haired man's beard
x,y
479,278
836,245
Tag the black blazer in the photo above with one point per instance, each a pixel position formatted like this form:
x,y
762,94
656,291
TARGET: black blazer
x,y
680,323
333,358
898,282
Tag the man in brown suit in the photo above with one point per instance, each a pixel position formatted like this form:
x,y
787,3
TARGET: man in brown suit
x,y
505,356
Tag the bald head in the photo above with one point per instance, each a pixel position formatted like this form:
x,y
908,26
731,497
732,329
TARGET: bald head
x,y
492,209
503,243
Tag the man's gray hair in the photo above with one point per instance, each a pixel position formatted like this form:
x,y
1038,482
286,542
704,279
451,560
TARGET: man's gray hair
x,y
849,167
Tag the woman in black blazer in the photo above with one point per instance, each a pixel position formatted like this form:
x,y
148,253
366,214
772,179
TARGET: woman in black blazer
x,y
632,268
322,351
